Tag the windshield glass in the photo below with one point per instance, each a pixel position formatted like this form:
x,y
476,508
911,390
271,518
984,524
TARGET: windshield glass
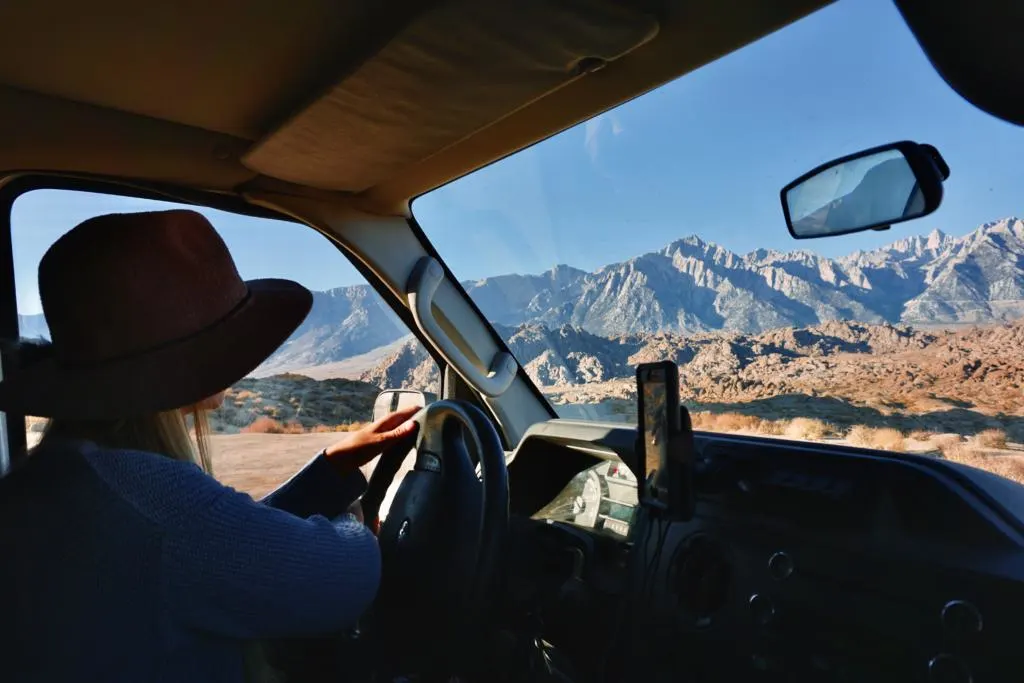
x,y
655,231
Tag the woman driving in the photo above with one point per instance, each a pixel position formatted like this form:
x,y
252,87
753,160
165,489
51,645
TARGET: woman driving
x,y
123,559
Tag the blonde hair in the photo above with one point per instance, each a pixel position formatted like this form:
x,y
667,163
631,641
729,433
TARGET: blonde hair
x,y
166,433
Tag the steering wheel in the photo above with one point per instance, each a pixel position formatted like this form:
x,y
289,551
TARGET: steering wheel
x,y
443,540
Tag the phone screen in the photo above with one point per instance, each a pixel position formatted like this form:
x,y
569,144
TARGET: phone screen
x,y
655,420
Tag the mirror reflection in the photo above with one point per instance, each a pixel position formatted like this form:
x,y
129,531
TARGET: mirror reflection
x,y
856,194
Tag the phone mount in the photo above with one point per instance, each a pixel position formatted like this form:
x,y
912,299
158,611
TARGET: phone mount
x,y
667,492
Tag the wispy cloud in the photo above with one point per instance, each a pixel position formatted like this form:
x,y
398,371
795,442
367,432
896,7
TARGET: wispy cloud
x,y
594,132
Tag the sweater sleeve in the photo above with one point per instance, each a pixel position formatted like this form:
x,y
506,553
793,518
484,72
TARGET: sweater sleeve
x,y
241,569
319,488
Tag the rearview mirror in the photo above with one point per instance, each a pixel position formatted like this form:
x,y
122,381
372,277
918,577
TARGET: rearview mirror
x,y
870,190
390,400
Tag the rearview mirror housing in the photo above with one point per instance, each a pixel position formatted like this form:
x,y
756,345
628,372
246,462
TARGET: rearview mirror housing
x,y
870,190
390,400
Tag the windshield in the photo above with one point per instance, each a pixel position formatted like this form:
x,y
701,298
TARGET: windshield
x,y
654,231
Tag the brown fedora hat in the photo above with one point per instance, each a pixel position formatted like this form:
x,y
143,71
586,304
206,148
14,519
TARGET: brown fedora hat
x,y
146,313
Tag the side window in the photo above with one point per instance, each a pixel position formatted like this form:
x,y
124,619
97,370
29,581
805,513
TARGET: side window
x,y
321,383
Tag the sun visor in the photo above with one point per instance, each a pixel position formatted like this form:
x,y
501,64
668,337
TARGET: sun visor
x,y
453,71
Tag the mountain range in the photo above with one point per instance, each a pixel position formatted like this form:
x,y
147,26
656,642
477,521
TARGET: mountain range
x,y
696,286
693,286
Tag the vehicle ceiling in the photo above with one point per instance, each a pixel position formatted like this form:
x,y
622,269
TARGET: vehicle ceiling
x,y
361,101
373,103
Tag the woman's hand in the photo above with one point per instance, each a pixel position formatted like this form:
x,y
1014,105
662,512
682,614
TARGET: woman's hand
x,y
365,444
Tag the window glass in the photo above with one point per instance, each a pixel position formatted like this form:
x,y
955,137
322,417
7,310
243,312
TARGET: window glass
x,y
317,386
655,231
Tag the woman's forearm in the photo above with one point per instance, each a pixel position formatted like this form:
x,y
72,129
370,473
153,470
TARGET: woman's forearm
x,y
319,488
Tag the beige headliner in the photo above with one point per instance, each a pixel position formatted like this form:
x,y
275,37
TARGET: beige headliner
x,y
243,95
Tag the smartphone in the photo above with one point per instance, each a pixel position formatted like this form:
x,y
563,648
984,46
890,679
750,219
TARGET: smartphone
x,y
659,418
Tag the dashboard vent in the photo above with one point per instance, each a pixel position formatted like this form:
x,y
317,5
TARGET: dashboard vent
x,y
702,576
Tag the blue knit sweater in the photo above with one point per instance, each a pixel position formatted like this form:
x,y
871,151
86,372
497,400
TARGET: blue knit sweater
x,y
127,566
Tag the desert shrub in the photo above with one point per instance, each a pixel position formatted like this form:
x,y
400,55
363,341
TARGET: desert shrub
x,y
698,419
734,422
961,453
991,438
889,439
943,441
726,422
264,425
807,428
1009,467
881,438
737,422
772,427
268,425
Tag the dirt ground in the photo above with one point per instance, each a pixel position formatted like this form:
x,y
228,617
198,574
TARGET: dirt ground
x,y
259,463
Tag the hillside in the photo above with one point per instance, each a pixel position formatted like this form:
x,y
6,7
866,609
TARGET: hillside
x,y
294,401
850,373
343,322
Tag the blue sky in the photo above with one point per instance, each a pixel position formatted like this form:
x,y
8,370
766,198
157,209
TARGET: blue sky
x,y
706,155
261,247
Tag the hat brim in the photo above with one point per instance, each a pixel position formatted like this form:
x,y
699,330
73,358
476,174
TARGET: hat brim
x,y
176,375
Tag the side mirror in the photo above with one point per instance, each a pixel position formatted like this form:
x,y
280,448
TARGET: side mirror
x,y
870,190
390,400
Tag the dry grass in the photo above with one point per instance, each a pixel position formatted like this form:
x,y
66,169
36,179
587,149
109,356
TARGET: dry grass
x,y
267,425
803,428
737,422
725,422
921,435
1009,467
881,438
943,441
990,438
347,427
807,428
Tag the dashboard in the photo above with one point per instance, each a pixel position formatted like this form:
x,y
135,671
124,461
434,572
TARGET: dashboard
x,y
801,563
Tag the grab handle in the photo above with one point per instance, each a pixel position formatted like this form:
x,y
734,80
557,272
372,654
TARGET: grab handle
x,y
423,283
